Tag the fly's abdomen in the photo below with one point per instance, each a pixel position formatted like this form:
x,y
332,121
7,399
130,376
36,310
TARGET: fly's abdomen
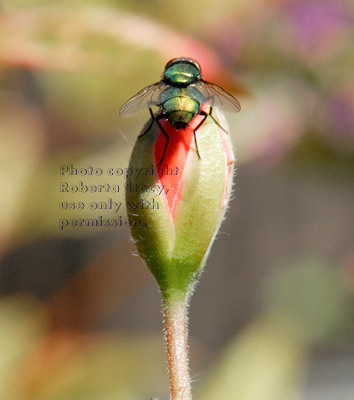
x,y
180,110
180,119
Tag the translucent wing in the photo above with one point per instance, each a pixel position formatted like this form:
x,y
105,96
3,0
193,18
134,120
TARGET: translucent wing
x,y
147,97
218,97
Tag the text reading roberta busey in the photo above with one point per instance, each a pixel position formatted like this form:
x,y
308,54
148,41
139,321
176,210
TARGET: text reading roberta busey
x,y
112,201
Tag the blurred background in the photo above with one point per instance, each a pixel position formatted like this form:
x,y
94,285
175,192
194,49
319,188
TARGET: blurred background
x,y
272,317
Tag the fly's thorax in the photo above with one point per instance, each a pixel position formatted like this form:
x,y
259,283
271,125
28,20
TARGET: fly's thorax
x,y
181,74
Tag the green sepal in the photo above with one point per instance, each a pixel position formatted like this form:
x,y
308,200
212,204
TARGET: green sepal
x,y
175,250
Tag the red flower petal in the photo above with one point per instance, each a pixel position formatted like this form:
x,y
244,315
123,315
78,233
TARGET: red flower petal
x,y
176,159
176,156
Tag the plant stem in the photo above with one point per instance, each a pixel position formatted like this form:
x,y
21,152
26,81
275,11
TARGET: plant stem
x,y
176,323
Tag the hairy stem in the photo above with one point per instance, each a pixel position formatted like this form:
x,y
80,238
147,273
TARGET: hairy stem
x,y
176,323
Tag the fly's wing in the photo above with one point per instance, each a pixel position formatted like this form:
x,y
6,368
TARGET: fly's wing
x,y
147,97
216,96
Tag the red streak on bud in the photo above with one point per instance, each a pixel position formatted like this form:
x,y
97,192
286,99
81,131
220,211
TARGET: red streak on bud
x,y
180,144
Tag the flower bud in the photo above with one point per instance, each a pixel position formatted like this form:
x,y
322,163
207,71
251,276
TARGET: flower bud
x,y
180,197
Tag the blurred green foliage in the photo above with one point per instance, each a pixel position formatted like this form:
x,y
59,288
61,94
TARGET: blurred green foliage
x,y
307,301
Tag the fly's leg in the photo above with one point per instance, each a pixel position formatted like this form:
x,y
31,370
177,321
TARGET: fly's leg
x,y
217,123
165,134
205,115
150,125
153,119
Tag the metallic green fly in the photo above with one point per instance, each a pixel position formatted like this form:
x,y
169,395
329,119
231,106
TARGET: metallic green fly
x,y
179,96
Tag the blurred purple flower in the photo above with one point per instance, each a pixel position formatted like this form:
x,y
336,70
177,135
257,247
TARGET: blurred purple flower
x,y
340,113
314,22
